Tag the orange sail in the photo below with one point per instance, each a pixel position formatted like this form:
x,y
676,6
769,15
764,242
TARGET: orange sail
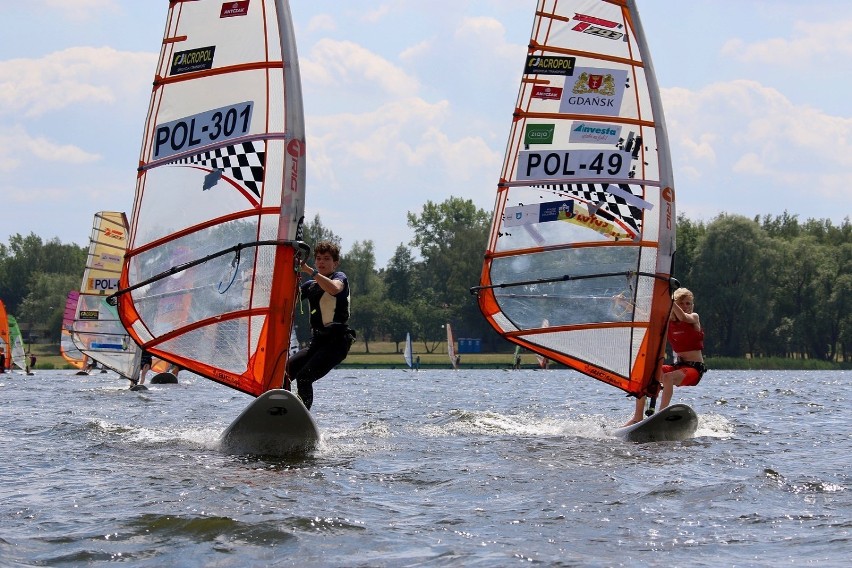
x,y
211,271
583,233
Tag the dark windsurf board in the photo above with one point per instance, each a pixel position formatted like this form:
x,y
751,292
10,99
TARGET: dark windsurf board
x,y
164,379
275,424
672,424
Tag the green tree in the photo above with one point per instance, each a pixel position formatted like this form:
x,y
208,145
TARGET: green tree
x,y
452,237
29,255
360,268
45,302
368,316
728,281
689,234
314,231
793,288
398,321
400,275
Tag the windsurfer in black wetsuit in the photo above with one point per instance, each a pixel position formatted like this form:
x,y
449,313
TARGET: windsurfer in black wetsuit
x,y
327,293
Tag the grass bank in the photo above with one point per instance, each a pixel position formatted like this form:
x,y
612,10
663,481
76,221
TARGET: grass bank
x,y
384,355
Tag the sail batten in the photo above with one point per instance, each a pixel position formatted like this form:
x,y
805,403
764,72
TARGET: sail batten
x,y
583,229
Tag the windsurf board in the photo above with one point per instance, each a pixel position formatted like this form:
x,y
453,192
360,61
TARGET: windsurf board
x,y
672,424
275,424
164,379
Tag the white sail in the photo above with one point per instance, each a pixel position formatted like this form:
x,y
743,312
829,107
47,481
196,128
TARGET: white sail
x,y
211,271
408,352
96,329
584,216
451,347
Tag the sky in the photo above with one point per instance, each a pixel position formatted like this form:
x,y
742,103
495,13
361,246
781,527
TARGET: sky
x,y
410,100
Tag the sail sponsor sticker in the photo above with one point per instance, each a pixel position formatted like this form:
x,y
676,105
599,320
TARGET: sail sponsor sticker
x,y
595,91
549,65
232,9
539,133
108,258
546,93
594,133
202,129
88,314
597,26
103,284
563,164
114,233
198,59
568,210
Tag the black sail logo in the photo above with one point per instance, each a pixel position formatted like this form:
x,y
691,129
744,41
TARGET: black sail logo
x,y
198,59
549,65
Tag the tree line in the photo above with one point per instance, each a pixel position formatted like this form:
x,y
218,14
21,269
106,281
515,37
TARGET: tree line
x,y
770,286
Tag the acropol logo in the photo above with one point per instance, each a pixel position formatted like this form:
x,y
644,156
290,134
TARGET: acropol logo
x,y
595,133
231,9
198,59
549,65
539,134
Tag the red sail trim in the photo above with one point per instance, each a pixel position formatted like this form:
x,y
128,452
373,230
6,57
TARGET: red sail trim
x,y
211,223
589,117
516,252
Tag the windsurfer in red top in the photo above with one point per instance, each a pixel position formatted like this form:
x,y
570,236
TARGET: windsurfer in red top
x,y
687,341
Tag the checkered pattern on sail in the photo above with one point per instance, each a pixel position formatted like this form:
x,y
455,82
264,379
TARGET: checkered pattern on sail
x,y
244,162
610,206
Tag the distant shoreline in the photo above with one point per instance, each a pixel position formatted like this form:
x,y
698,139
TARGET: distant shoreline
x,y
390,360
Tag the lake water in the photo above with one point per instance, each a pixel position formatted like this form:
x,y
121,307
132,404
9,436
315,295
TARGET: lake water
x,y
430,468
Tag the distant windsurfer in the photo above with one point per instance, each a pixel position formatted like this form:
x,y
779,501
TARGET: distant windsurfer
x,y
327,293
686,338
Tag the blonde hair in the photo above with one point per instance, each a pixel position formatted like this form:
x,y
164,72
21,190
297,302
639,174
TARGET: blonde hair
x,y
682,292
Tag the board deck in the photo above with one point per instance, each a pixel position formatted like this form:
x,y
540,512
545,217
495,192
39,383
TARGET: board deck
x,y
671,424
275,424
164,379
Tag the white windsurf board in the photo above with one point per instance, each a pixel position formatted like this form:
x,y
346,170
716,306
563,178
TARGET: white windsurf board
x,y
275,424
672,424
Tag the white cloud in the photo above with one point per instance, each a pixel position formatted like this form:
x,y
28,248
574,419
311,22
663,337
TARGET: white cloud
x,y
418,50
322,23
743,138
16,146
340,64
77,75
829,41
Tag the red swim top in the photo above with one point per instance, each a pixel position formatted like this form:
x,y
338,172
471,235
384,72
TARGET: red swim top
x,y
684,337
